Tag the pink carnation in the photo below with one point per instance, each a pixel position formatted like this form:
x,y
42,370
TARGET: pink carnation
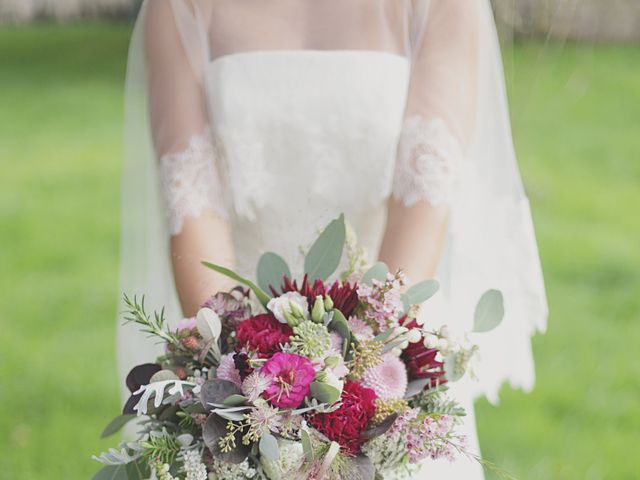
x,y
291,376
227,370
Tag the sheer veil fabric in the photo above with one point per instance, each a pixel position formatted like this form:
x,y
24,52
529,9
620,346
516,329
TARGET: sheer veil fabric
x,y
441,58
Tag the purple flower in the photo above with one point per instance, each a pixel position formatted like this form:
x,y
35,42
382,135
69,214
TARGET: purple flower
x,y
291,376
186,324
227,370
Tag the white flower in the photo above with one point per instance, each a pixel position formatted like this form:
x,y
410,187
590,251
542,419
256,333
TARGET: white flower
x,y
291,303
289,462
328,377
209,325
255,384
193,466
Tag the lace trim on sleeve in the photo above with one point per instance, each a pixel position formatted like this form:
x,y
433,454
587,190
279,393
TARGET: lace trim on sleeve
x,y
190,182
428,164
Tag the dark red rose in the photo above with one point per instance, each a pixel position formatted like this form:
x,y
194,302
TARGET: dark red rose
x,y
262,333
346,424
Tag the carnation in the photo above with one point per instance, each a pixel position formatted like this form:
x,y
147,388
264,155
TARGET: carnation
x,y
345,424
262,333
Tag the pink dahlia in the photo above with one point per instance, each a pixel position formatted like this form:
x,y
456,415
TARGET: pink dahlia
x,y
291,376
388,379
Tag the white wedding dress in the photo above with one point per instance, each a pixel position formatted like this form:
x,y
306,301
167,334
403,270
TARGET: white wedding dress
x,y
279,132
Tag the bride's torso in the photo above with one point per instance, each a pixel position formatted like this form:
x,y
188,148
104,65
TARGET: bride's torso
x,y
303,135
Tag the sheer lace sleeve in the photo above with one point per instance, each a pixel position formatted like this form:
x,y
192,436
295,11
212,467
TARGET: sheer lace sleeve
x,y
428,164
176,47
190,182
441,103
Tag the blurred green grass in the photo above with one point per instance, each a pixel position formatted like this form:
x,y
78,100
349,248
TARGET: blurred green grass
x,y
576,122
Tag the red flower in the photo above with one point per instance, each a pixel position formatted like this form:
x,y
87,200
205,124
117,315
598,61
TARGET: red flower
x,y
344,295
262,333
346,424
421,361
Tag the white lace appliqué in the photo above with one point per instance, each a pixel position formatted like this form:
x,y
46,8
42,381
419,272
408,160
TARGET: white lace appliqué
x,y
428,164
190,182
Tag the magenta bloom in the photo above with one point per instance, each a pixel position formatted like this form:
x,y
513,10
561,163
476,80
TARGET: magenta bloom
x,y
291,376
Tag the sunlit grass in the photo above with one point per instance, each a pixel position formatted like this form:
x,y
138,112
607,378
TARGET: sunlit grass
x,y
576,124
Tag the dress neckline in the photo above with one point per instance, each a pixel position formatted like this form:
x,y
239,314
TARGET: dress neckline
x,y
306,53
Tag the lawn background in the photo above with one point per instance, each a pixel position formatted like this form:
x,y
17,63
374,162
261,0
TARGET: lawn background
x,y
576,121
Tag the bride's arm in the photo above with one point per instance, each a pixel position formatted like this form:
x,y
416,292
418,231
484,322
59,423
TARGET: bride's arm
x,y
439,120
190,183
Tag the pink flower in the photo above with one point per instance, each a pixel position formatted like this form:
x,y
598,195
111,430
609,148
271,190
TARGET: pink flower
x,y
291,376
388,379
227,370
186,324
360,329
382,301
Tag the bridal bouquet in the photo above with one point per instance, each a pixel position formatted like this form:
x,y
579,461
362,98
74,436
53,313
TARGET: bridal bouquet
x,y
321,379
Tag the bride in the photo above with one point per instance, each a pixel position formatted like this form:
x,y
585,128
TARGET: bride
x,y
251,123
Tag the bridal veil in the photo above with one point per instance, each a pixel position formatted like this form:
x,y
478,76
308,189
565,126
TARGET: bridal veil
x,y
491,242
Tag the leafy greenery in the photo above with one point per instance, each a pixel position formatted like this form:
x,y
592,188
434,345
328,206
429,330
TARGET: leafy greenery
x,y
575,118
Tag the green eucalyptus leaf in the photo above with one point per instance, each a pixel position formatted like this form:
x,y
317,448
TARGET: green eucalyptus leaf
x,y
116,424
406,301
377,272
271,269
112,472
325,254
384,336
421,292
339,324
269,447
138,470
260,294
163,375
416,386
365,467
235,400
489,311
307,446
324,393
452,372
230,415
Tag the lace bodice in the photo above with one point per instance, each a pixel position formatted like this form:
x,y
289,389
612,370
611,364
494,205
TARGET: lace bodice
x,y
304,151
